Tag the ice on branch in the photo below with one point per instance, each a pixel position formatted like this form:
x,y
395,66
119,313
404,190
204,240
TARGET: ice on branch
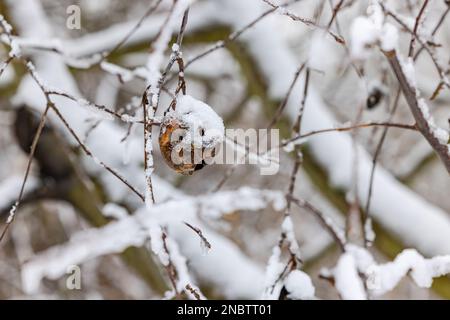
x,y
372,30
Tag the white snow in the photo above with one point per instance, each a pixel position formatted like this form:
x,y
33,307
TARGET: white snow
x,y
287,228
124,74
156,57
397,208
372,30
10,188
225,265
112,210
299,286
383,278
7,27
409,71
297,283
442,135
12,213
368,231
175,47
205,127
274,269
347,280
412,219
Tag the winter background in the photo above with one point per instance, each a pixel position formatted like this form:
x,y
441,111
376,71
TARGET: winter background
x,y
358,89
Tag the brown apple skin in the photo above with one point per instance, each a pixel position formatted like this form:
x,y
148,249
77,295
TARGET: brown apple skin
x,y
166,146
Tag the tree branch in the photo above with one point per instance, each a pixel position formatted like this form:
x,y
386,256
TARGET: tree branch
x,y
422,123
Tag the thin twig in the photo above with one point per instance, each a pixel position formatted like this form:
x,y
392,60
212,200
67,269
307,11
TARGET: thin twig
x,y
336,9
83,146
440,70
416,26
376,155
34,144
5,64
233,36
348,128
236,34
199,232
283,104
147,13
436,28
324,220
306,21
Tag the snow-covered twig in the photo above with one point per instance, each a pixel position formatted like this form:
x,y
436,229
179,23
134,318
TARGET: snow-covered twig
x,y
383,278
438,138
358,276
136,229
424,43
155,81
7,29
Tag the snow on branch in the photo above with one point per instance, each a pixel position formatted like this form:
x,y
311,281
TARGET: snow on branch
x,y
357,275
437,137
384,277
433,235
281,276
137,229
372,30
155,80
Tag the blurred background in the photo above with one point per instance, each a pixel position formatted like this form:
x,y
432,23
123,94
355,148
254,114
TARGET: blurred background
x,y
244,82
